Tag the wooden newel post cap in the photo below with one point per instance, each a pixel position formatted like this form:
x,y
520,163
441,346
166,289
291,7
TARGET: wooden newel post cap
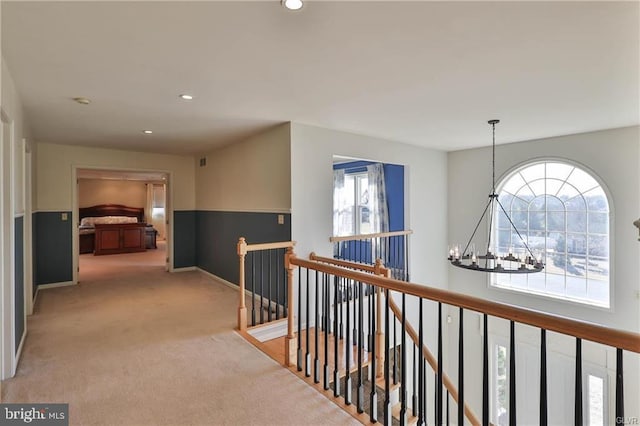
x,y
242,246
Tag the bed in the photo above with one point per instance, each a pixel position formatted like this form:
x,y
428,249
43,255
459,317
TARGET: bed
x,y
114,228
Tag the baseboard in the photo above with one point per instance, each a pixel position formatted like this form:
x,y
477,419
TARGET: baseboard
x,y
54,285
35,298
19,351
221,280
185,269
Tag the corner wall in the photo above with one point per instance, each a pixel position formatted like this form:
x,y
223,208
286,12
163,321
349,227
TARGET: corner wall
x,y
240,192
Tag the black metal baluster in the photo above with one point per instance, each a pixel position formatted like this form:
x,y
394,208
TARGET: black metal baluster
x,y
485,371
439,378
405,260
269,292
414,376
421,382
277,284
316,360
307,358
372,308
373,398
343,288
354,295
395,352
327,318
286,286
299,354
620,420
336,333
425,412
403,365
512,374
460,370
348,351
323,312
387,379
543,377
262,287
253,288
360,396
447,409
578,389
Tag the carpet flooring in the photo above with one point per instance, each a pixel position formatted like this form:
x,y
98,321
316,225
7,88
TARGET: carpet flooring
x,y
135,345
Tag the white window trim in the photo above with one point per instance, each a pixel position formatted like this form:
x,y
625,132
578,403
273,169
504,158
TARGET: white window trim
x,y
610,199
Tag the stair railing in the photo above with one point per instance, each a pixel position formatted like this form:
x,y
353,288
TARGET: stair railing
x,y
392,248
314,276
379,269
267,276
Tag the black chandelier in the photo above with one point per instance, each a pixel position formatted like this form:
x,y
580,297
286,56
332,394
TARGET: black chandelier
x,y
509,263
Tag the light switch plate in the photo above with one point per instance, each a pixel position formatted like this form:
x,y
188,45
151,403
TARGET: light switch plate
x,y
280,219
64,216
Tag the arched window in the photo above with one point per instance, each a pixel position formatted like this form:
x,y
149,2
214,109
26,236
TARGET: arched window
x,y
562,213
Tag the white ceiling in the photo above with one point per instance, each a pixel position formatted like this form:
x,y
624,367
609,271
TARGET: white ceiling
x,y
426,73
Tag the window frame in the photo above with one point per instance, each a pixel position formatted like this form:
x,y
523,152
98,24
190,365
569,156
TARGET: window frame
x,y
501,183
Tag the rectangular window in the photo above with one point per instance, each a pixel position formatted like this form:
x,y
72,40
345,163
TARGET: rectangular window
x,y
355,214
501,396
596,401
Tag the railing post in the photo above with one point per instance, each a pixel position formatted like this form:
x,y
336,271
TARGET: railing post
x,y
290,340
242,309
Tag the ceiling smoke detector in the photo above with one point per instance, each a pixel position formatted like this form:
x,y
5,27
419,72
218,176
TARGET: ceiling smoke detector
x,y
81,100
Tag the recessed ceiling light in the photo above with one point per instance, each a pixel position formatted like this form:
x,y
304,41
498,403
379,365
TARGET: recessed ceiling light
x,y
82,101
147,132
292,4
186,97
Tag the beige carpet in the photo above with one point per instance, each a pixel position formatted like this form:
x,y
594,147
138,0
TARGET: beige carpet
x,y
135,345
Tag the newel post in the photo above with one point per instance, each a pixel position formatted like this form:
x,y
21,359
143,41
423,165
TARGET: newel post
x,y
380,349
242,309
290,340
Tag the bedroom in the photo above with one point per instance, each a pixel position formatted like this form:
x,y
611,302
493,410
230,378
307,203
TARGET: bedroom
x,y
113,208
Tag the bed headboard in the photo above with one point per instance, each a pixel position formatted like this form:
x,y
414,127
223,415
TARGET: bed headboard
x,y
112,210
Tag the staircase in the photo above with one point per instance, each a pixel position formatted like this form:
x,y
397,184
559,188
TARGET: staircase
x,y
378,366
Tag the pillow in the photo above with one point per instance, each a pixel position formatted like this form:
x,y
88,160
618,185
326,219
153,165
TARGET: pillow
x,y
91,221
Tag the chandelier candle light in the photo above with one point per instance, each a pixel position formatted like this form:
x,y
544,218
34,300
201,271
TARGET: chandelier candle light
x,y
509,263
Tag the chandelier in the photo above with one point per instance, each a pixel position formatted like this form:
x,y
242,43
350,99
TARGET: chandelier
x,y
509,262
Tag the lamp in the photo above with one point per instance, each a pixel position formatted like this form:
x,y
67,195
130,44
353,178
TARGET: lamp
x,y
510,262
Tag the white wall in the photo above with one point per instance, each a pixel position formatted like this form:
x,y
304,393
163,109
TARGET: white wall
x,y
252,175
106,191
312,151
13,196
613,156
55,163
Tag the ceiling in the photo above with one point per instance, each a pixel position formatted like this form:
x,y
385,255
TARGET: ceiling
x,y
425,73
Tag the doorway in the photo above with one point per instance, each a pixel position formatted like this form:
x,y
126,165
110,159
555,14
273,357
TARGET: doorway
x,y
117,197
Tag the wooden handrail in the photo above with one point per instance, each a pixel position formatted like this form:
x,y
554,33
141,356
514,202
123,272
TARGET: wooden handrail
x,y
345,264
270,246
433,362
621,339
369,236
